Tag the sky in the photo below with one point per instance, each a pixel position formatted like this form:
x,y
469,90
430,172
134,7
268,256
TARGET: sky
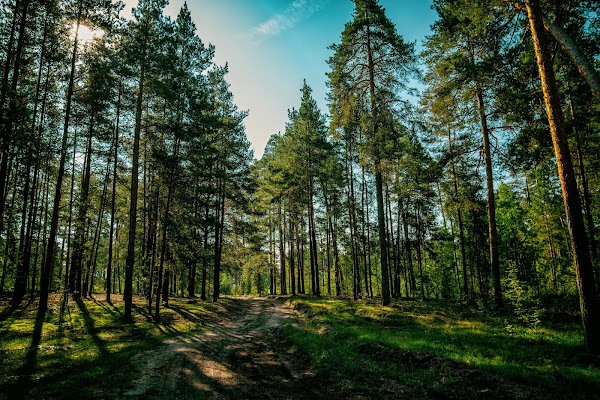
x,y
271,46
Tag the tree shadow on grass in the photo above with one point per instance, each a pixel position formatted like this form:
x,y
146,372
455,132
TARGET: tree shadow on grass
x,y
18,388
110,308
92,330
15,311
190,316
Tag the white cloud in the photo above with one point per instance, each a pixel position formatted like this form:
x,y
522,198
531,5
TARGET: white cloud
x,y
288,18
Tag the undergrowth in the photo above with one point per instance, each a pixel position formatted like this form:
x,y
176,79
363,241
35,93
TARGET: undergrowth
x,y
442,350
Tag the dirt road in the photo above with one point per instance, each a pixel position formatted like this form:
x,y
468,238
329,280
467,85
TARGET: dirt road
x,y
242,357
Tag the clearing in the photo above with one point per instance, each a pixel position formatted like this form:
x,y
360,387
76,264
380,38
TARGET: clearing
x,y
242,356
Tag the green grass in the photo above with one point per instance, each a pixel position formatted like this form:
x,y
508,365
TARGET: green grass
x,y
83,349
412,349
439,349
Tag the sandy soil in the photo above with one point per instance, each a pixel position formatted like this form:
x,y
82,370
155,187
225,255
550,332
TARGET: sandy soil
x,y
243,356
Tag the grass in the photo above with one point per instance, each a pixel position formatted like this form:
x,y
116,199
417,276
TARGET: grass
x,y
82,349
442,350
411,349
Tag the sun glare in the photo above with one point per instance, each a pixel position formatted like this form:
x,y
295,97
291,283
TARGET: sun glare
x,y
85,33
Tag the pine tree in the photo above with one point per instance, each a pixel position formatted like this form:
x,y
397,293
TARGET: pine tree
x,y
372,62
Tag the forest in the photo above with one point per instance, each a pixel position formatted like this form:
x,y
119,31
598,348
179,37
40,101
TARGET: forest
x,y
457,184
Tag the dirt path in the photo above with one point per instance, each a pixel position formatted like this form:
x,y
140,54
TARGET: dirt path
x,y
241,357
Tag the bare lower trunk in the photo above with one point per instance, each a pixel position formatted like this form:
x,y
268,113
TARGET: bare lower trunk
x,y
492,230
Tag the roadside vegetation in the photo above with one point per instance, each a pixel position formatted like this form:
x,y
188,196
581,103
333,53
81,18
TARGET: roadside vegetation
x,y
442,349
83,348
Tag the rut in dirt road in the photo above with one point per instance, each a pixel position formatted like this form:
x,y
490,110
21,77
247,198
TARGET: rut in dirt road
x,y
241,357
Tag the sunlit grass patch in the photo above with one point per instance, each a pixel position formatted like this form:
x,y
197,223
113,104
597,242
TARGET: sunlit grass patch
x,y
432,346
84,347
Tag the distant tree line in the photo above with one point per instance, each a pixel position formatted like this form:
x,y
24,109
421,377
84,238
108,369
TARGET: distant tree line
x,y
456,198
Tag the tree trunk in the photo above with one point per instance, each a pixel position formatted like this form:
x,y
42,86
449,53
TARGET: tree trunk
x,y
5,136
133,194
47,267
492,230
409,258
292,272
581,254
584,184
585,67
98,233
75,277
460,224
219,220
109,266
282,276
165,230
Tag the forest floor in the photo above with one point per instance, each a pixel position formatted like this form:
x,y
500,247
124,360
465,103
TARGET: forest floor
x,y
241,356
290,347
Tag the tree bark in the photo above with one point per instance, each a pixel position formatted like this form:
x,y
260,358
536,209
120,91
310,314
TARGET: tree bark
x,y
581,255
47,267
585,67
109,267
81,223
282,276
492,230
133,194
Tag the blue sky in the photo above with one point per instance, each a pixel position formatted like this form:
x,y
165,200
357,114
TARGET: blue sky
x,y
273,45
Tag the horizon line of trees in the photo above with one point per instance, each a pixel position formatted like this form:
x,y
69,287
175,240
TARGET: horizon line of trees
x,y
383,199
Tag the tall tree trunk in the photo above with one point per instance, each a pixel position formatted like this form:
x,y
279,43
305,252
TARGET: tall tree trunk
x,y
292,272
205,248
336,258
70,219
75,277
460,224
383,249
581,254
313,239
363,237
584,184
9,246
133,194
45,188
492,230
282,276
165,230
409,258
419,253
395,288
109,266
97,235
22,268
47,267
219,221
301,263
36,192
5,135
194,262
153,241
